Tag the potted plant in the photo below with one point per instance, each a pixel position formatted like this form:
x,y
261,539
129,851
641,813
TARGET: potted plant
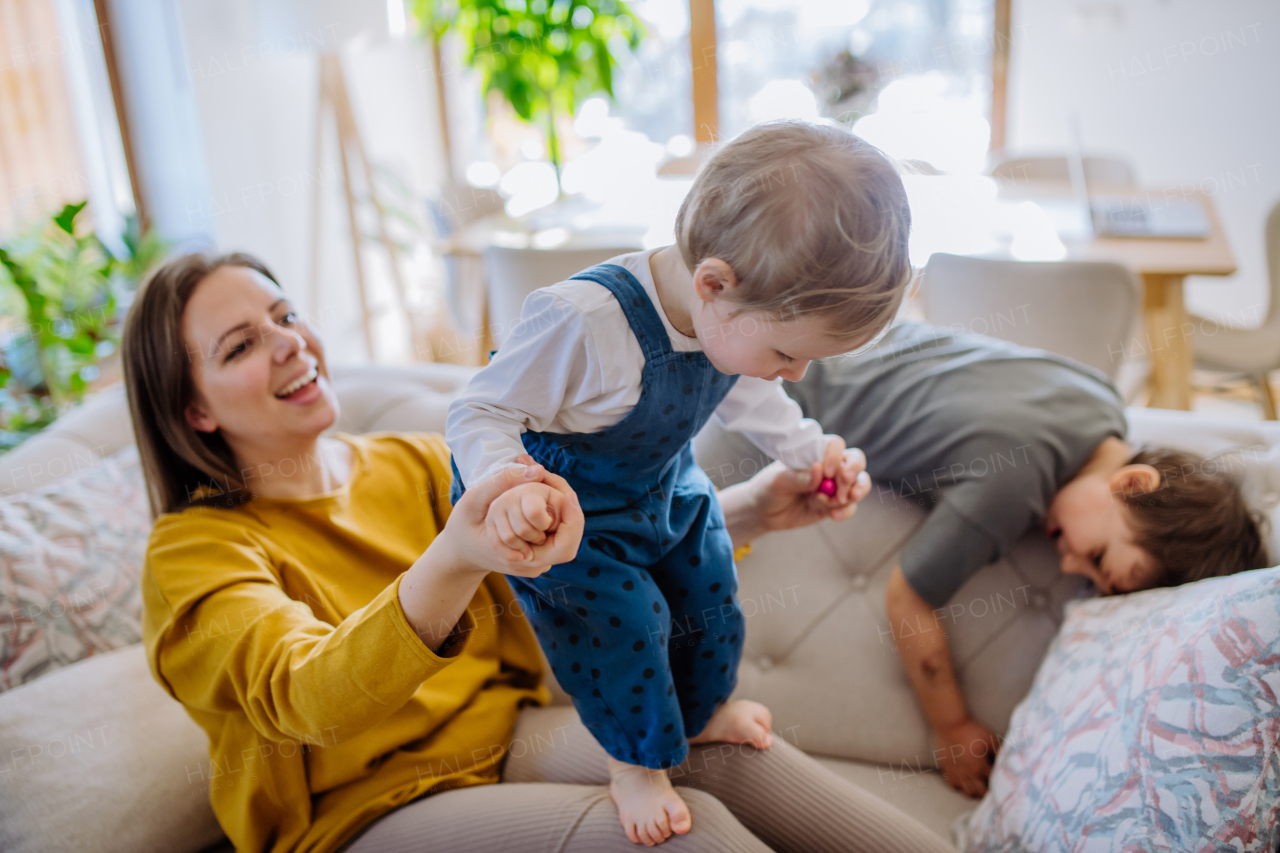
x,y
543,57
63,293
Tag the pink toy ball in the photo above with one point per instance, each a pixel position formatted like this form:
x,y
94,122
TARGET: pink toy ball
x,y
827,486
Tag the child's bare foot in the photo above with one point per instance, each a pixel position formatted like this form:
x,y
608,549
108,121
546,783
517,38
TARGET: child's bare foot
x,y
649,808
741,721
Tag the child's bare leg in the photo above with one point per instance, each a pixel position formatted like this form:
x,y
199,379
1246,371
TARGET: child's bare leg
x,y
741,721
649,808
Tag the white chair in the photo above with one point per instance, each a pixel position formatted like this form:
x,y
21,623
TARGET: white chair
x,y
1252,352
686,166
1097,170
461,204
1082,309
457,207
512,274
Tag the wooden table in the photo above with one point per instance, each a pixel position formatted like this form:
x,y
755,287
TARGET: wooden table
x,y
1162,264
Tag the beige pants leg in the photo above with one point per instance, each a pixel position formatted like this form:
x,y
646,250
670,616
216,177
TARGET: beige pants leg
x,y
571,813
786,799
539,818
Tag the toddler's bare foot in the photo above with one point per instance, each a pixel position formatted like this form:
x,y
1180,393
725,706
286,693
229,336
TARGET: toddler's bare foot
x,y
741,721
649,808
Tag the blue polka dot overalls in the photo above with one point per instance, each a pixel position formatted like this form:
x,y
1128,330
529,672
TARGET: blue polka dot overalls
x,y
643,629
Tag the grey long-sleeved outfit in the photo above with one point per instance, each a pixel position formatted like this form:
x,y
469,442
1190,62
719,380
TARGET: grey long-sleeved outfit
x,y
979,431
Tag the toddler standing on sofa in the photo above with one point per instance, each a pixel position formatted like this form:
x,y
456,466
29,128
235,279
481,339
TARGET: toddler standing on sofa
x,y
791,247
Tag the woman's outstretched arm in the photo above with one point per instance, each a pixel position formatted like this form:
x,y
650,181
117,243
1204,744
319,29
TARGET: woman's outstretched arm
x,y
222,634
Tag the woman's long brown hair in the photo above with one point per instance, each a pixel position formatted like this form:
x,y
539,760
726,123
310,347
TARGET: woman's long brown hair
x,y
182,466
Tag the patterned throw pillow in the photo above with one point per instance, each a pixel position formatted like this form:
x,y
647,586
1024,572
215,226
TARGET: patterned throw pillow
x,y
1153,724
70,555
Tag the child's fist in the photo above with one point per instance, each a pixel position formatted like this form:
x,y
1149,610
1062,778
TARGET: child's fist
x,y
840,478
524,516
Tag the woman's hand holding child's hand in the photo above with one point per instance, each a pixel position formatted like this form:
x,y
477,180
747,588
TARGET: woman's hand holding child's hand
x,y
524,517
521,521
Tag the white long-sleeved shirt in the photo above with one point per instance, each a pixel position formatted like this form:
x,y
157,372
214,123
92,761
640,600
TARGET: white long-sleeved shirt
x,y
573,365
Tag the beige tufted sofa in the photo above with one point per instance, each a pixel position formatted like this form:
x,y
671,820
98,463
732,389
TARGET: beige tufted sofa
x,y
819,650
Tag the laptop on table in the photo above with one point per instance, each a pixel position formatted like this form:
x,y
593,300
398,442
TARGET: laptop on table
x,y
1133,216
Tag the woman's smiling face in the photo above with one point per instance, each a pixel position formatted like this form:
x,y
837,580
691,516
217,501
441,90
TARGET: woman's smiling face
x,y
259,371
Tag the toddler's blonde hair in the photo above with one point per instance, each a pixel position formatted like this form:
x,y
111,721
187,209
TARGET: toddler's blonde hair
x,y
810,218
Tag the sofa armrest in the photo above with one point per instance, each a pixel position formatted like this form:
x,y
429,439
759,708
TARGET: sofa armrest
x,y
96,757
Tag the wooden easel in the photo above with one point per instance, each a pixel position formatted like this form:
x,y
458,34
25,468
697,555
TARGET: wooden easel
x,y
334,97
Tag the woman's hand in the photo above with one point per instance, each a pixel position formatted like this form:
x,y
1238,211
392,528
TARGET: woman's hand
x,y
478,540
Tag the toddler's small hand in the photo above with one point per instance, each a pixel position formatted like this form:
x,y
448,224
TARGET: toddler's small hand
x,y
840,479
853,476
524,516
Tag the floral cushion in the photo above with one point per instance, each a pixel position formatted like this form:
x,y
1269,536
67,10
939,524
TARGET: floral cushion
x,y
70,555
1151,725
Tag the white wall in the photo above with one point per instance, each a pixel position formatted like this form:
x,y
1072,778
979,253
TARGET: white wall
x,y
1186,89
256,102
162,117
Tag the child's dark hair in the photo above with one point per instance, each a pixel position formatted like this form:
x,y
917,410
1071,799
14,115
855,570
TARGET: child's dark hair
x,y
1196,524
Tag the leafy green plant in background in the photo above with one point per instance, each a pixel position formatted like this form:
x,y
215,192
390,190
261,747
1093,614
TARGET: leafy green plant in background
x,y
62,294
543,57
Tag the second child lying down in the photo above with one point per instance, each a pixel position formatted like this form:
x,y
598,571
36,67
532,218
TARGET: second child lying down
x,y
993,439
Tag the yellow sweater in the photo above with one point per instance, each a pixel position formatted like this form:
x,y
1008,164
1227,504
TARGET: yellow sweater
x,y
278,626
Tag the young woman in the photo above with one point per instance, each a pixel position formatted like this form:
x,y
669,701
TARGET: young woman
x,y
346,638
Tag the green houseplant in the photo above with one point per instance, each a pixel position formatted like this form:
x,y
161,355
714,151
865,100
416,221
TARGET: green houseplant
x,y
61,290
544,58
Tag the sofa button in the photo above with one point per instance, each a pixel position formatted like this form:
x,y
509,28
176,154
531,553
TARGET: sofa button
x,y
860,582
1039,600
765,663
